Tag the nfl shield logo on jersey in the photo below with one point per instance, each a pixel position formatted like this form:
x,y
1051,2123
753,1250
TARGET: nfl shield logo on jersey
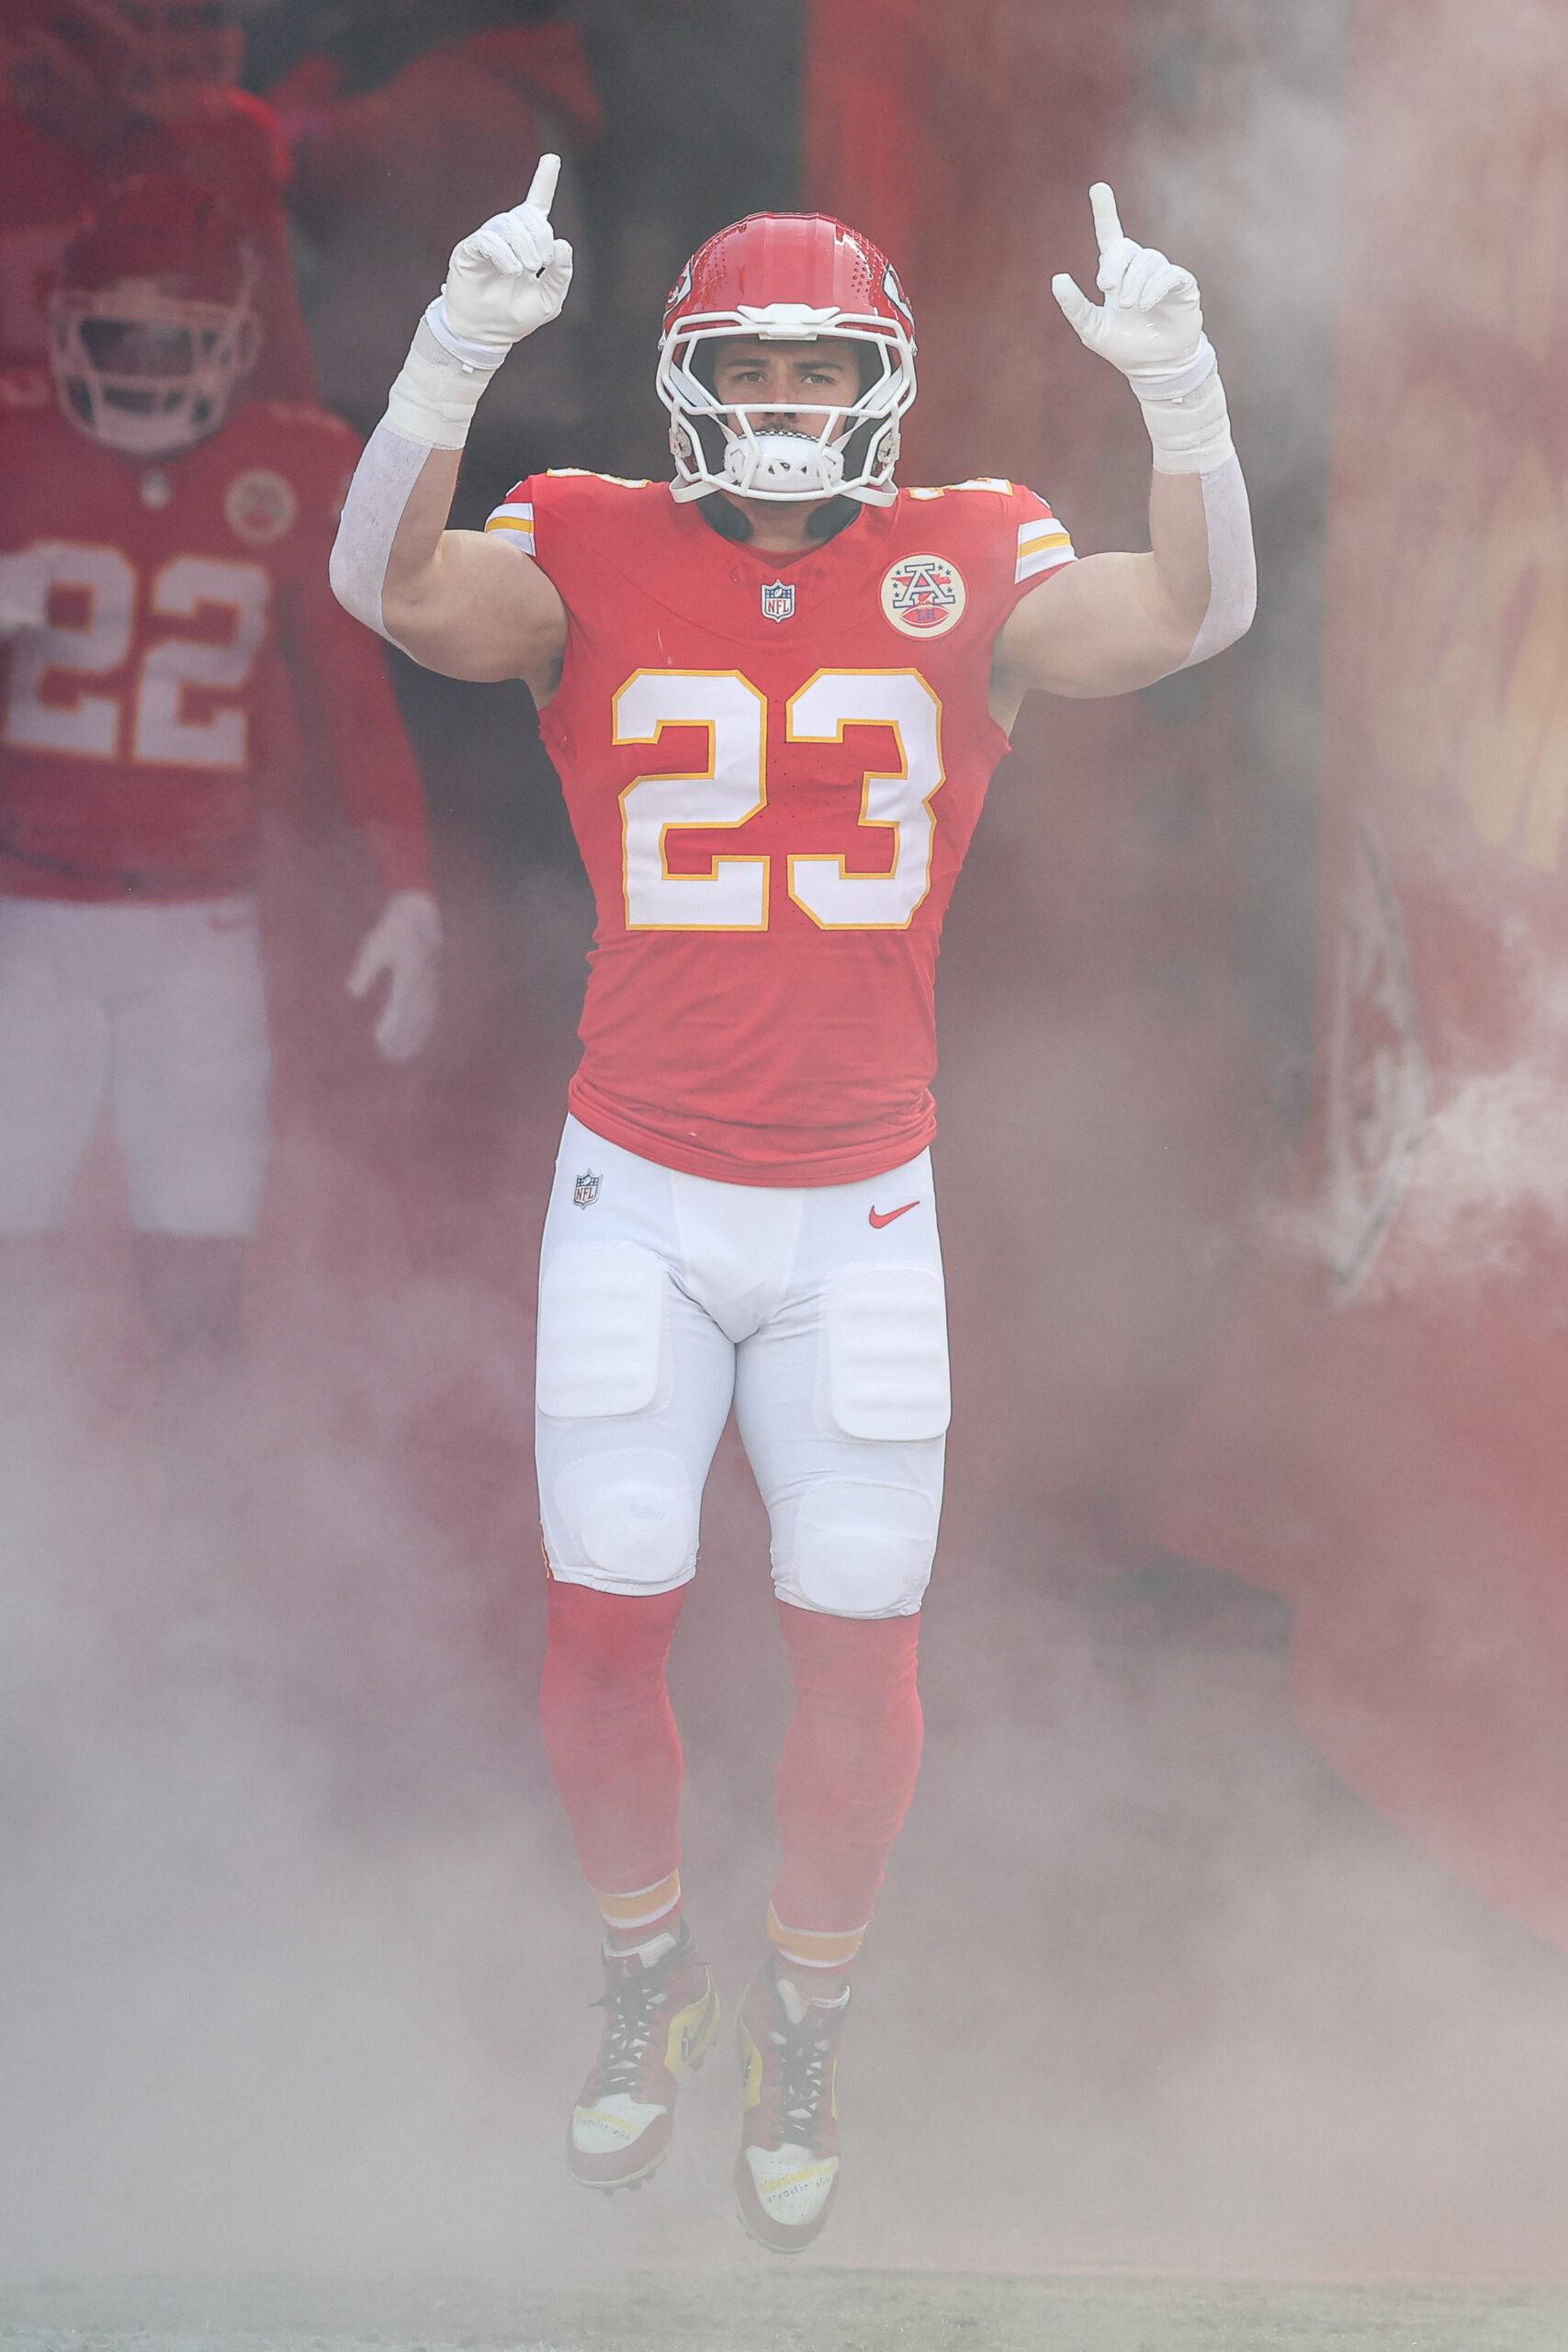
x,y
778,600
585,1191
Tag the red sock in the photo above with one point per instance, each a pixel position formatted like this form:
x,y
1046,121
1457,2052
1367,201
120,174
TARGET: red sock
x,y
613,1750
848,1771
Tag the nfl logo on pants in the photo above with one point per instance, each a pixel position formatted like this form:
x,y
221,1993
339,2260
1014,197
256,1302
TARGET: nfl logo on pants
x,y
778,600
585,1191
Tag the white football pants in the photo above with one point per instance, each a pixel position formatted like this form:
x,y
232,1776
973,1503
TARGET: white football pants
x,y
819,1312
159,1011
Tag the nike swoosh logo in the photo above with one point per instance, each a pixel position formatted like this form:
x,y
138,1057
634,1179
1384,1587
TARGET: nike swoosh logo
x,y
879,1219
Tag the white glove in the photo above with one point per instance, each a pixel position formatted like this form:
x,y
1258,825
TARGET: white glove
x,y
1150,323
505,281
23,593
405,948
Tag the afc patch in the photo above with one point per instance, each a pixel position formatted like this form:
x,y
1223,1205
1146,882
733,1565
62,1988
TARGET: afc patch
x,y
778,600
924,595
260,507
585,1191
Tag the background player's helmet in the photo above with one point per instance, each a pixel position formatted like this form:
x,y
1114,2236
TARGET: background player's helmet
x,y
788,278
153,57
152,326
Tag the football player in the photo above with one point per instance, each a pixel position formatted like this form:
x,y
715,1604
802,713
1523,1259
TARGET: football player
x,y
165,546
101,90
775,688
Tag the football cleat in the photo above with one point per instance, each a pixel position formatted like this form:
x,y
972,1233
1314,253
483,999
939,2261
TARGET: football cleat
x,y
662,2013
787,2172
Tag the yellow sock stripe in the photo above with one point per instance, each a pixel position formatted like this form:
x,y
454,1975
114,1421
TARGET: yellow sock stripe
x,y
643,1905
814,1947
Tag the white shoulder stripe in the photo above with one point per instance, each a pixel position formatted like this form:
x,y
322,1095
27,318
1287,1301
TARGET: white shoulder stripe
x,y
1043,545
515,522
1048,560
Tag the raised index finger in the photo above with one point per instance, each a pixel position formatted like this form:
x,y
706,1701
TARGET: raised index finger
x,y
1107,224
542,194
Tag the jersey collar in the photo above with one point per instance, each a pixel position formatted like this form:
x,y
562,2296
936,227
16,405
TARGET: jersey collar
x,y
830,519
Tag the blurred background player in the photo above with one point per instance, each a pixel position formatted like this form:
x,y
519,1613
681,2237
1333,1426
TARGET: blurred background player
x,y
165,542
94,91
775,690
399,117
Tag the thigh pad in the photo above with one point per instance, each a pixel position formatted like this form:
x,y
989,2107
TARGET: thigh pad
x,y
886,1353
602,1313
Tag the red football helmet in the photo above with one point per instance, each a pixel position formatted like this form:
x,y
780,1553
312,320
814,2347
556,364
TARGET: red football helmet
x,y
151,323
787,278
151,57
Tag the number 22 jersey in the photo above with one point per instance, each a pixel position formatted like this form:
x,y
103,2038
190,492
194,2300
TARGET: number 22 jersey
x,y
773,769
139,725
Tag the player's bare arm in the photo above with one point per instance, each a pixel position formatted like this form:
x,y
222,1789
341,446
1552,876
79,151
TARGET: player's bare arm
x,y
1110,624
466,603
470,605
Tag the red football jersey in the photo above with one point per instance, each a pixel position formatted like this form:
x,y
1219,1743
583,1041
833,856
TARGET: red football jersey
x,y
774,771
233,147
188,598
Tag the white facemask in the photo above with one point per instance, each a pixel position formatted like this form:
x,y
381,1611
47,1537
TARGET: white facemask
x,y
782,464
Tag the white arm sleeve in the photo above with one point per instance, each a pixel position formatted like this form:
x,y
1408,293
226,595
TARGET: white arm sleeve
x,y
1189,423
382,485
1233,564
431,406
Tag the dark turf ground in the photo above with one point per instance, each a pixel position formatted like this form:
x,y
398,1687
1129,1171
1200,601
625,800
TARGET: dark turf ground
x,y
783,2309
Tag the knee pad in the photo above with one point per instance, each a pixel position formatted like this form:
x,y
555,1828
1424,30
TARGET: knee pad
x,y
626,1523
602,1317
886,1353
857,1550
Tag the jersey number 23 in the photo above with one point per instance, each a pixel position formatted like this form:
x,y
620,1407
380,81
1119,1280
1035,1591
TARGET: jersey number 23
x,y
732,788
